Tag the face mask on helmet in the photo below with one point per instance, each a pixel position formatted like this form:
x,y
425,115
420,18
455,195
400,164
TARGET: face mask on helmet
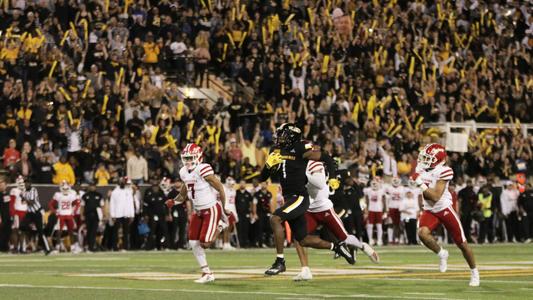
x,y
287,134
189,161
64,187
431,156
191,156
375,185
396,181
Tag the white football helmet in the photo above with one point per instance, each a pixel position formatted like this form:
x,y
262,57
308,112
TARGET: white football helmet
x,y
375,183
396,181
191,156
64,187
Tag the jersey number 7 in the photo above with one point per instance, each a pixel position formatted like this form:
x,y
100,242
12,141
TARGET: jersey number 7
x,y
190,187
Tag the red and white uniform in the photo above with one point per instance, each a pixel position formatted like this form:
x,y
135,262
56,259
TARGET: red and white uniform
x,y
441,211
320,211
207,210
395,197
201,193
230,204
375,205
18,207
430,178
67,203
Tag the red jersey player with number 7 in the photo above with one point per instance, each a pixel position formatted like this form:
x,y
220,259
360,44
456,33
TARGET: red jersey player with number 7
x,y
432,177
202,187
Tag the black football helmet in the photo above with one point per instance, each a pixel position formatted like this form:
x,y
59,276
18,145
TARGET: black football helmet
x,y
287,134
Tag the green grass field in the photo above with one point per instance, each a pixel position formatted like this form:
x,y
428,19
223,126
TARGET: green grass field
x,y
404,273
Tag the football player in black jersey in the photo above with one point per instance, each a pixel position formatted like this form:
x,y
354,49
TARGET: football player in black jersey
x,y
288,160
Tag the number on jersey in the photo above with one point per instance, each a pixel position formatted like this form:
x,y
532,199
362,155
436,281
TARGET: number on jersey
x,y
190,187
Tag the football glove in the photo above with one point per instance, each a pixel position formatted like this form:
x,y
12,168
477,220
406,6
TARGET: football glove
x,y
273,160
415,177
334,183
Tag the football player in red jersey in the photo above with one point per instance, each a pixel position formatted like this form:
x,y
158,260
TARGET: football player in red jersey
x,y
67,201
432,177
209,218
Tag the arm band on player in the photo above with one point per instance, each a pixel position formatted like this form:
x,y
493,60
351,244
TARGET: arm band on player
x,y
330,164
423,187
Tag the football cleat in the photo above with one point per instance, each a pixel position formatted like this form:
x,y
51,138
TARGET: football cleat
x,y
474,277
277,267
304,275
342,250
206,278
443,264
371,253
228,247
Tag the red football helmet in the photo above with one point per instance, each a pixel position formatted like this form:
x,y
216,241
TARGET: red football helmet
x,y
431,156
191,156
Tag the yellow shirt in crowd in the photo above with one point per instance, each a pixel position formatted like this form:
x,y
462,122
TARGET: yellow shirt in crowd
x,y
63,171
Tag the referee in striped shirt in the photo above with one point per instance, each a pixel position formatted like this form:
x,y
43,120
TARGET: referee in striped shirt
x,y
35,213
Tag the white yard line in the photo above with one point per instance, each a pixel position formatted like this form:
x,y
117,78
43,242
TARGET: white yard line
x,y
7,285
428,294
449,280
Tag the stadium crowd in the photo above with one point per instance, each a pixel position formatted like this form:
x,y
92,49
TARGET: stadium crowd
x,y
90,88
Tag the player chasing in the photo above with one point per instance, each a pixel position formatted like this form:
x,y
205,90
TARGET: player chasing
x,y
432,176
288,161
321,212
201,186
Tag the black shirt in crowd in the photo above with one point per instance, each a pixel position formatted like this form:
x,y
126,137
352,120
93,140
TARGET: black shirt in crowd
x,y
154,202
263,198
526,202
468,199
243,202
352,195
91,201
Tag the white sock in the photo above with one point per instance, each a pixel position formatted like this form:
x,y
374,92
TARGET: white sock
x,y
304,269
206,270
199,254
390,233
353,241
474,271
280,256
369,230
380,232
441,252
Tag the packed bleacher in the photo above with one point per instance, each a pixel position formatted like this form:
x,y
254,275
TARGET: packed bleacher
x,y
90,89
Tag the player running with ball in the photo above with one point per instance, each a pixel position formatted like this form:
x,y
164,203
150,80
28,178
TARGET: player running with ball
x,y
288,161
432,176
